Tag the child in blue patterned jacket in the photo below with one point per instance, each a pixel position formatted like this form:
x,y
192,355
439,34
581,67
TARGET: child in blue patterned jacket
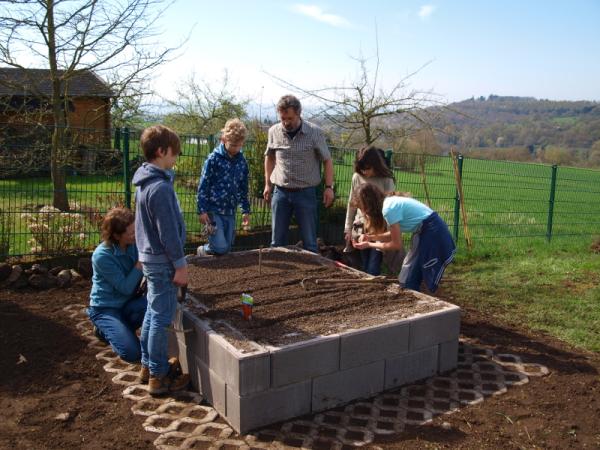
x,y
223,186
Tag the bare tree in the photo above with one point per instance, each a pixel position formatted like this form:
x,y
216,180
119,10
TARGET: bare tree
x,y
361,110
202,108
112,38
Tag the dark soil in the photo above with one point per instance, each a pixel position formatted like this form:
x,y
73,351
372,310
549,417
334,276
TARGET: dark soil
x,y
61,375
292,299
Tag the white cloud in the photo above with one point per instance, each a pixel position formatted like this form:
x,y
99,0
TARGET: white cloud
x,y
425,11
317,13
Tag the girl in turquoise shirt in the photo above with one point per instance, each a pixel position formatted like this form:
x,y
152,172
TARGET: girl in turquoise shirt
x,y
387,217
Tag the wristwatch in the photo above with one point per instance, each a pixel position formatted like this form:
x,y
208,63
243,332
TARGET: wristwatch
x,y
329,186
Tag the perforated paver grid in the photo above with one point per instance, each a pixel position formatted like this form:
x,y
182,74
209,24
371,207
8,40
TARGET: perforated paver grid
x,y
183,422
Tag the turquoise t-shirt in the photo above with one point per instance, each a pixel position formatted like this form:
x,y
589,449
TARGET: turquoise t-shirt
x,y
405,211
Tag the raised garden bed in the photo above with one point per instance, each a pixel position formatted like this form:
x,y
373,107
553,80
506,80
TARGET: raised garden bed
x,y
313,342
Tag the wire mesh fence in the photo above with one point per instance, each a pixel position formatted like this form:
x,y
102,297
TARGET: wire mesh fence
x,y
502,200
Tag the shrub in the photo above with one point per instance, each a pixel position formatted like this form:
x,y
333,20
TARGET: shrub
x,y
55,231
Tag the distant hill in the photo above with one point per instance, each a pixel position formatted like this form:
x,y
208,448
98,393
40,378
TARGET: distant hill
x,y
498,121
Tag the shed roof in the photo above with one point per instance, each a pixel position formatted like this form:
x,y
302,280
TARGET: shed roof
x,y
15,81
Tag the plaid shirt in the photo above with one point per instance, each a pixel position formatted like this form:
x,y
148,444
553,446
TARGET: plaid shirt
x,y
297,160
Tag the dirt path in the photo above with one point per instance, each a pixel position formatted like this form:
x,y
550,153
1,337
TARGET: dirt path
x,y
58,374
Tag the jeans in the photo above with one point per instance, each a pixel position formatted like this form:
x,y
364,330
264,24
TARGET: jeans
x,y
118,326
221,240
411,274
371,261
303,205
162,302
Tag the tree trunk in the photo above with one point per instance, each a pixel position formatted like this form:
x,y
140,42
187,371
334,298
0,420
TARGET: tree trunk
x,y
58,152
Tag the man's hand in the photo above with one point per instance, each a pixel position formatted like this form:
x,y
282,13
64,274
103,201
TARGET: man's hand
x,y
328,197
138,265
181,276
204,219
267,192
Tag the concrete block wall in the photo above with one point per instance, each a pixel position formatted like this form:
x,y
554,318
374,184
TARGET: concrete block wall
x,y
255,388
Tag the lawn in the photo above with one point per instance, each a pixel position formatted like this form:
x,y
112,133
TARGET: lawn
x,y
552,287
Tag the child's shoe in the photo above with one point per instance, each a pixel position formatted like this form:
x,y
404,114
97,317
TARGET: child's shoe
x,y
162,385
143,375
201,251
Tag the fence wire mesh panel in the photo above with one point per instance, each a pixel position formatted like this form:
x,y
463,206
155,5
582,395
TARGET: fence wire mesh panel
x,y
501,199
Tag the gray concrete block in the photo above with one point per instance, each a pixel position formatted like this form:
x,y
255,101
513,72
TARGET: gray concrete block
x,y
411,367
434,328
211,386
341,387
298,362
248,412
243,373
447,356
194,332
373,344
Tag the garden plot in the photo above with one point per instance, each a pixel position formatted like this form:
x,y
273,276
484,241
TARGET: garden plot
x,y
320,336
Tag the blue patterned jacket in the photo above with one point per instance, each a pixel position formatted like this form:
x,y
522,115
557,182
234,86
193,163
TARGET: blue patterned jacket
x,y
224,183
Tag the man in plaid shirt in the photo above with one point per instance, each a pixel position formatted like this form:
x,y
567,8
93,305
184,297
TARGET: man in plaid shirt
x,y
295,151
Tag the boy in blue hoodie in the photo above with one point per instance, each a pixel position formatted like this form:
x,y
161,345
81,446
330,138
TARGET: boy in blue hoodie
x,y
160,236
223,186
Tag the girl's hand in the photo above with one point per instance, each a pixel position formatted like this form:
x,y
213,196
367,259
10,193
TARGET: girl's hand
x,y
361,245
348,236
204,219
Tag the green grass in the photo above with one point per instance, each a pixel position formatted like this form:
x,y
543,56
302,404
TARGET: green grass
x,y
550,287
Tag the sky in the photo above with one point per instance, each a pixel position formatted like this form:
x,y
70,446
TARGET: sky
x,y
458,49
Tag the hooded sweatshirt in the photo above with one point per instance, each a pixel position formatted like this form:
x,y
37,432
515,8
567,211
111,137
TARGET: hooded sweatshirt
x,y
159,226
224,183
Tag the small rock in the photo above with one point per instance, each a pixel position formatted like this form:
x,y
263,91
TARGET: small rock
x,y
56,270
42,281
64,278
38,269
84,267
21,282
16,272
446,426
63,417
5,271
75,277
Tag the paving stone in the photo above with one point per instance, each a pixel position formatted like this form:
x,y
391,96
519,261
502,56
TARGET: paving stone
x,y
341,387
243,373
434,328
247,412
410,367
298,362
447,356
373,344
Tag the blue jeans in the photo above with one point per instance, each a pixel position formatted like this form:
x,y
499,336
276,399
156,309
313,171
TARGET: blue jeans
x,y
303,205
220,241
371,261
162,302
118,326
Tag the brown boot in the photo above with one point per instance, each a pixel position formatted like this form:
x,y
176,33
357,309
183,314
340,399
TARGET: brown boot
x,y
143,375
162,385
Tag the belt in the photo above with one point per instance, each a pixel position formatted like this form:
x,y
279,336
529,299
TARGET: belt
x,y
289,189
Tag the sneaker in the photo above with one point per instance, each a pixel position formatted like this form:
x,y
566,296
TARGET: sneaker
x,y
99,335
201,251
162,385
143,375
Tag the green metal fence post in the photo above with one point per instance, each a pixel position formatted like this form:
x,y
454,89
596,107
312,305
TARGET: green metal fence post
x,y
118,138
388,158
126,180
551,203
457,199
